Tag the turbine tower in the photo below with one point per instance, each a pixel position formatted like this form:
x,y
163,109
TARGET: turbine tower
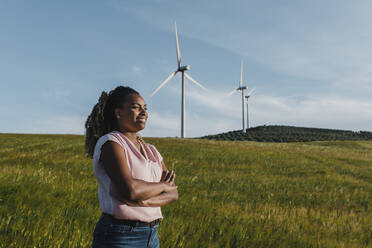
x,y
246,101
182,69
241,88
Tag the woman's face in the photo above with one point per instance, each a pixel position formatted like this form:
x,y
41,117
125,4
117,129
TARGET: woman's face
x,y
133,115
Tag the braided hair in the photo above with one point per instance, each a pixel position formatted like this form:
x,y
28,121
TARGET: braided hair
x,y
102,119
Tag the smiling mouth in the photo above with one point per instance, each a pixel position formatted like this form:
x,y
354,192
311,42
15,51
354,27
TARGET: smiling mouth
x,y
141,119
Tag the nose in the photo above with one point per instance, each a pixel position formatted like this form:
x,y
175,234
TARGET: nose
x,y
143,111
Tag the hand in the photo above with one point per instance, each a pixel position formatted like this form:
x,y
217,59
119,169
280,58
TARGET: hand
x,y
168,177
169,187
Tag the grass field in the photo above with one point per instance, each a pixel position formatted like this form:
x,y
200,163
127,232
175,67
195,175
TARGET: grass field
x,y
232,194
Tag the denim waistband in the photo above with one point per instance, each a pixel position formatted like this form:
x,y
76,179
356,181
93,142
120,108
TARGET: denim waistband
x,y
133,223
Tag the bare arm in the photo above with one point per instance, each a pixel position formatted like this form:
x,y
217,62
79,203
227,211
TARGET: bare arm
x,y
115,164
166,197
161,199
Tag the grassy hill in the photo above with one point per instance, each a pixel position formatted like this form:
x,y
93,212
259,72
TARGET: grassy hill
x,y
232,194
274,133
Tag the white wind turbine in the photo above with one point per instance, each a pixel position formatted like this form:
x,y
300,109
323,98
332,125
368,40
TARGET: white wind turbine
x,y
246,101
183,70
241,88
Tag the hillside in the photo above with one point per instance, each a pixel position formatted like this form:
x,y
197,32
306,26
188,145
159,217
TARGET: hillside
x,y
290,134
232,194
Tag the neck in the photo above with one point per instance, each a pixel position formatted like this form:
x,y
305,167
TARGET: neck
x,y
130,135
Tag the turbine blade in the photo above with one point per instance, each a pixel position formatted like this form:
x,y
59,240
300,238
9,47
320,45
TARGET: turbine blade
x,y
178,46
164,82
232,92
194,81
241,74
251,91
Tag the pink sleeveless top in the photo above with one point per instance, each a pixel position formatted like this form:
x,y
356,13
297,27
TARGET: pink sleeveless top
x,y
142,167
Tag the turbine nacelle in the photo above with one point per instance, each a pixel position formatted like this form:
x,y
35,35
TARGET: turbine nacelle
x,y
250,93
242,88
184,68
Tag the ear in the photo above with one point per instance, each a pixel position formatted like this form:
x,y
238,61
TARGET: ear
x,y
117,113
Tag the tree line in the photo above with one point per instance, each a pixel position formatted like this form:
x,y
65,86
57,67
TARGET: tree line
x,y
277,133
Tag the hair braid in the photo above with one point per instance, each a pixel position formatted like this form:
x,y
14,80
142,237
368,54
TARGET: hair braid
x,y
95,124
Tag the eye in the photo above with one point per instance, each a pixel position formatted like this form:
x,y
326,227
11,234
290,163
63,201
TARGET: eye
x,y
139,107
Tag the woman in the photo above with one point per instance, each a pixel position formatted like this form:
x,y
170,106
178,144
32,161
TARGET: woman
x,y
133,182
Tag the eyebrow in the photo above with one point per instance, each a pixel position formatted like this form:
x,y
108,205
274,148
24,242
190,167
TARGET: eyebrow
x,y
139,104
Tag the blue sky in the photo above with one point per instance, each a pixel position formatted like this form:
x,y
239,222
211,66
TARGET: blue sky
x,y
309,61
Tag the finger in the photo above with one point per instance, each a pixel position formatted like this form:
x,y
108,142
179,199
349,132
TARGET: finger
x,y
171,179
174,177
163,174
170,176
166,178
170,187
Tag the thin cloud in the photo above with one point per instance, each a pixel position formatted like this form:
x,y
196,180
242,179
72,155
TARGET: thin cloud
x,y
161,125
320,111
46,124
297,45
218,101
136,69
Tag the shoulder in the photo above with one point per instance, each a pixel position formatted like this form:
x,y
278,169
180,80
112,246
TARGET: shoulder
x,y
112,136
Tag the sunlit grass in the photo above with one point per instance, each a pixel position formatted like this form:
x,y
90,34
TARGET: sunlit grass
x,y
232,194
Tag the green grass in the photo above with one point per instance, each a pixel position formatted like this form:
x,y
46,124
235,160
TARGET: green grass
x,y
232,194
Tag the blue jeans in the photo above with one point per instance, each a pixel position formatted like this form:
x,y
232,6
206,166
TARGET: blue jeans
x,y
110,234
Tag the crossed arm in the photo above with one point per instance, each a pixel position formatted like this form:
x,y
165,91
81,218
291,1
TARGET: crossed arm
x,y
135,192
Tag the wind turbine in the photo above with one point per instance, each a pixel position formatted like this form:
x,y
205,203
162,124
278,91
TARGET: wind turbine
x,y
241,88
183,70
246,101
